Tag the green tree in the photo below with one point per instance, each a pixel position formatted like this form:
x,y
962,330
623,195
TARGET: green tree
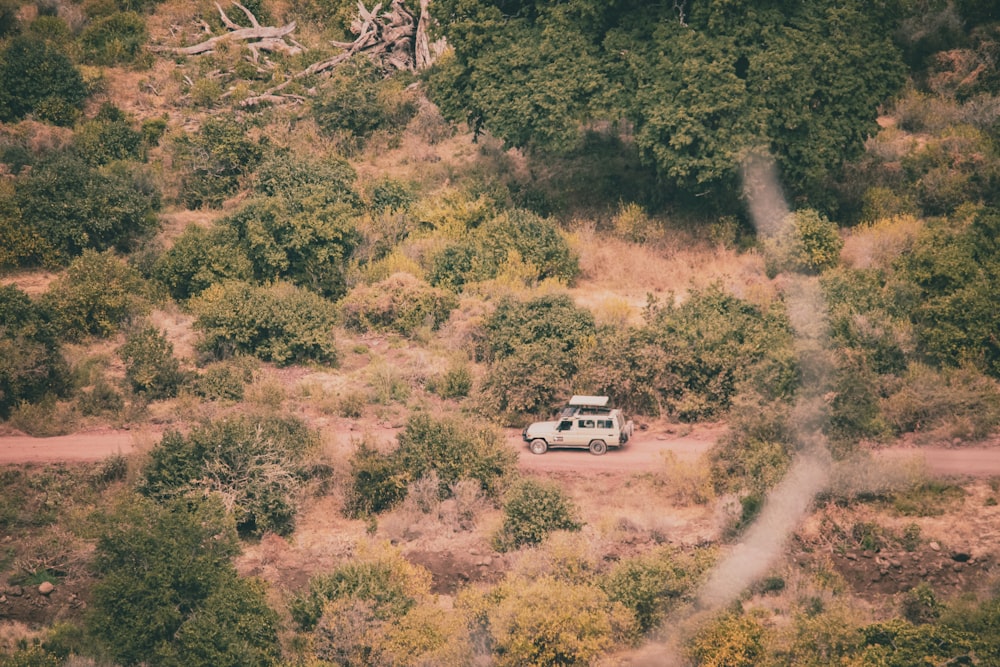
x,y
948,287
255,465
199,258
35,77
96,295
31,365
700,85
72,206
168,593
150,364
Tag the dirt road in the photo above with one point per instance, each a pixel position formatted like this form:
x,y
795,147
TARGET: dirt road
x,y
645,451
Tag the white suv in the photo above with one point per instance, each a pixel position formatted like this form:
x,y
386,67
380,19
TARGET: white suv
x,y
586,422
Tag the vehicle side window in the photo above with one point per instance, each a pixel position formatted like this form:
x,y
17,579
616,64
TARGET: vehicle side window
x,y
565,426
604,423
589,423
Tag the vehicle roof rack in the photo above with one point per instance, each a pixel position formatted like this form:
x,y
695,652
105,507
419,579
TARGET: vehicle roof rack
x,y
589,401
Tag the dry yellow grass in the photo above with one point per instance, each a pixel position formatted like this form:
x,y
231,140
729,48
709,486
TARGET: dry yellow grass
x,y
616,274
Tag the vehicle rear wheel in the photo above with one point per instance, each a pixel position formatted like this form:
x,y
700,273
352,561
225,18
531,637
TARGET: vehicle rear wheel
x,y
598,447
538,446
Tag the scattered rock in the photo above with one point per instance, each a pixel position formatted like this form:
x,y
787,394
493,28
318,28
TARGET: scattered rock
x,y
46,587
934,546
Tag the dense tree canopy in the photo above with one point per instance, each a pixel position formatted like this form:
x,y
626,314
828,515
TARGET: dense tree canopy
x,y
700,83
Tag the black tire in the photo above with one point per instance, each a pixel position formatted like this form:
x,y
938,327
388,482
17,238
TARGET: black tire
x,y
598,447
538,446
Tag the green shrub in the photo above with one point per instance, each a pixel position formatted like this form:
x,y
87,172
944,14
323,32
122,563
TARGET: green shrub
x,y
388,195
450,448
108,138
377,483
946,286
100,399
384,579
280,323
960,402
226,380
150,365
400,304
254,464
898,643
358,101
35,77
550,622
168,593
201,257
698,355
33,655
920,605
96,295
532,381
537,241
514,238
456,382
325,180
307,242
117,39
955,166
980,618
31,365
455,449
216,161
72,206
552,320
733,640
652,584
757,451
9,23
531,511
806,243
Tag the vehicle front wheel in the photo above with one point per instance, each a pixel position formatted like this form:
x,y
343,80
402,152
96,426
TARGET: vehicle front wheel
x,y
538,446
598,447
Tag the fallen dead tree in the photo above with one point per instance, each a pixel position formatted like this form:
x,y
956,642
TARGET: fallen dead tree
x,y
264,38
396,38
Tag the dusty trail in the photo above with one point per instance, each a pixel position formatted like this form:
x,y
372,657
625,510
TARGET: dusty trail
x,y
645,451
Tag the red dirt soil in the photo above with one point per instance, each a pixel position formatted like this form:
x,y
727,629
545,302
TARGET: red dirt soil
x,y
646,449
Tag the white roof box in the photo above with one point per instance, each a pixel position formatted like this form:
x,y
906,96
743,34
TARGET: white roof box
x,y
589,401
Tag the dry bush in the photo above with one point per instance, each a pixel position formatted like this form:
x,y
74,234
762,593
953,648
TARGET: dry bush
x,y
45,418
267,393
878,244
467,502
685,482
865,476
567,556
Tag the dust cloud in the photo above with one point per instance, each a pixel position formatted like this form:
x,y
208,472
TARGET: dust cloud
x,y
764,542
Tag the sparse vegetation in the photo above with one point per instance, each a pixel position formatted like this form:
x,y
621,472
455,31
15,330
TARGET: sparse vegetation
x,y
309,290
